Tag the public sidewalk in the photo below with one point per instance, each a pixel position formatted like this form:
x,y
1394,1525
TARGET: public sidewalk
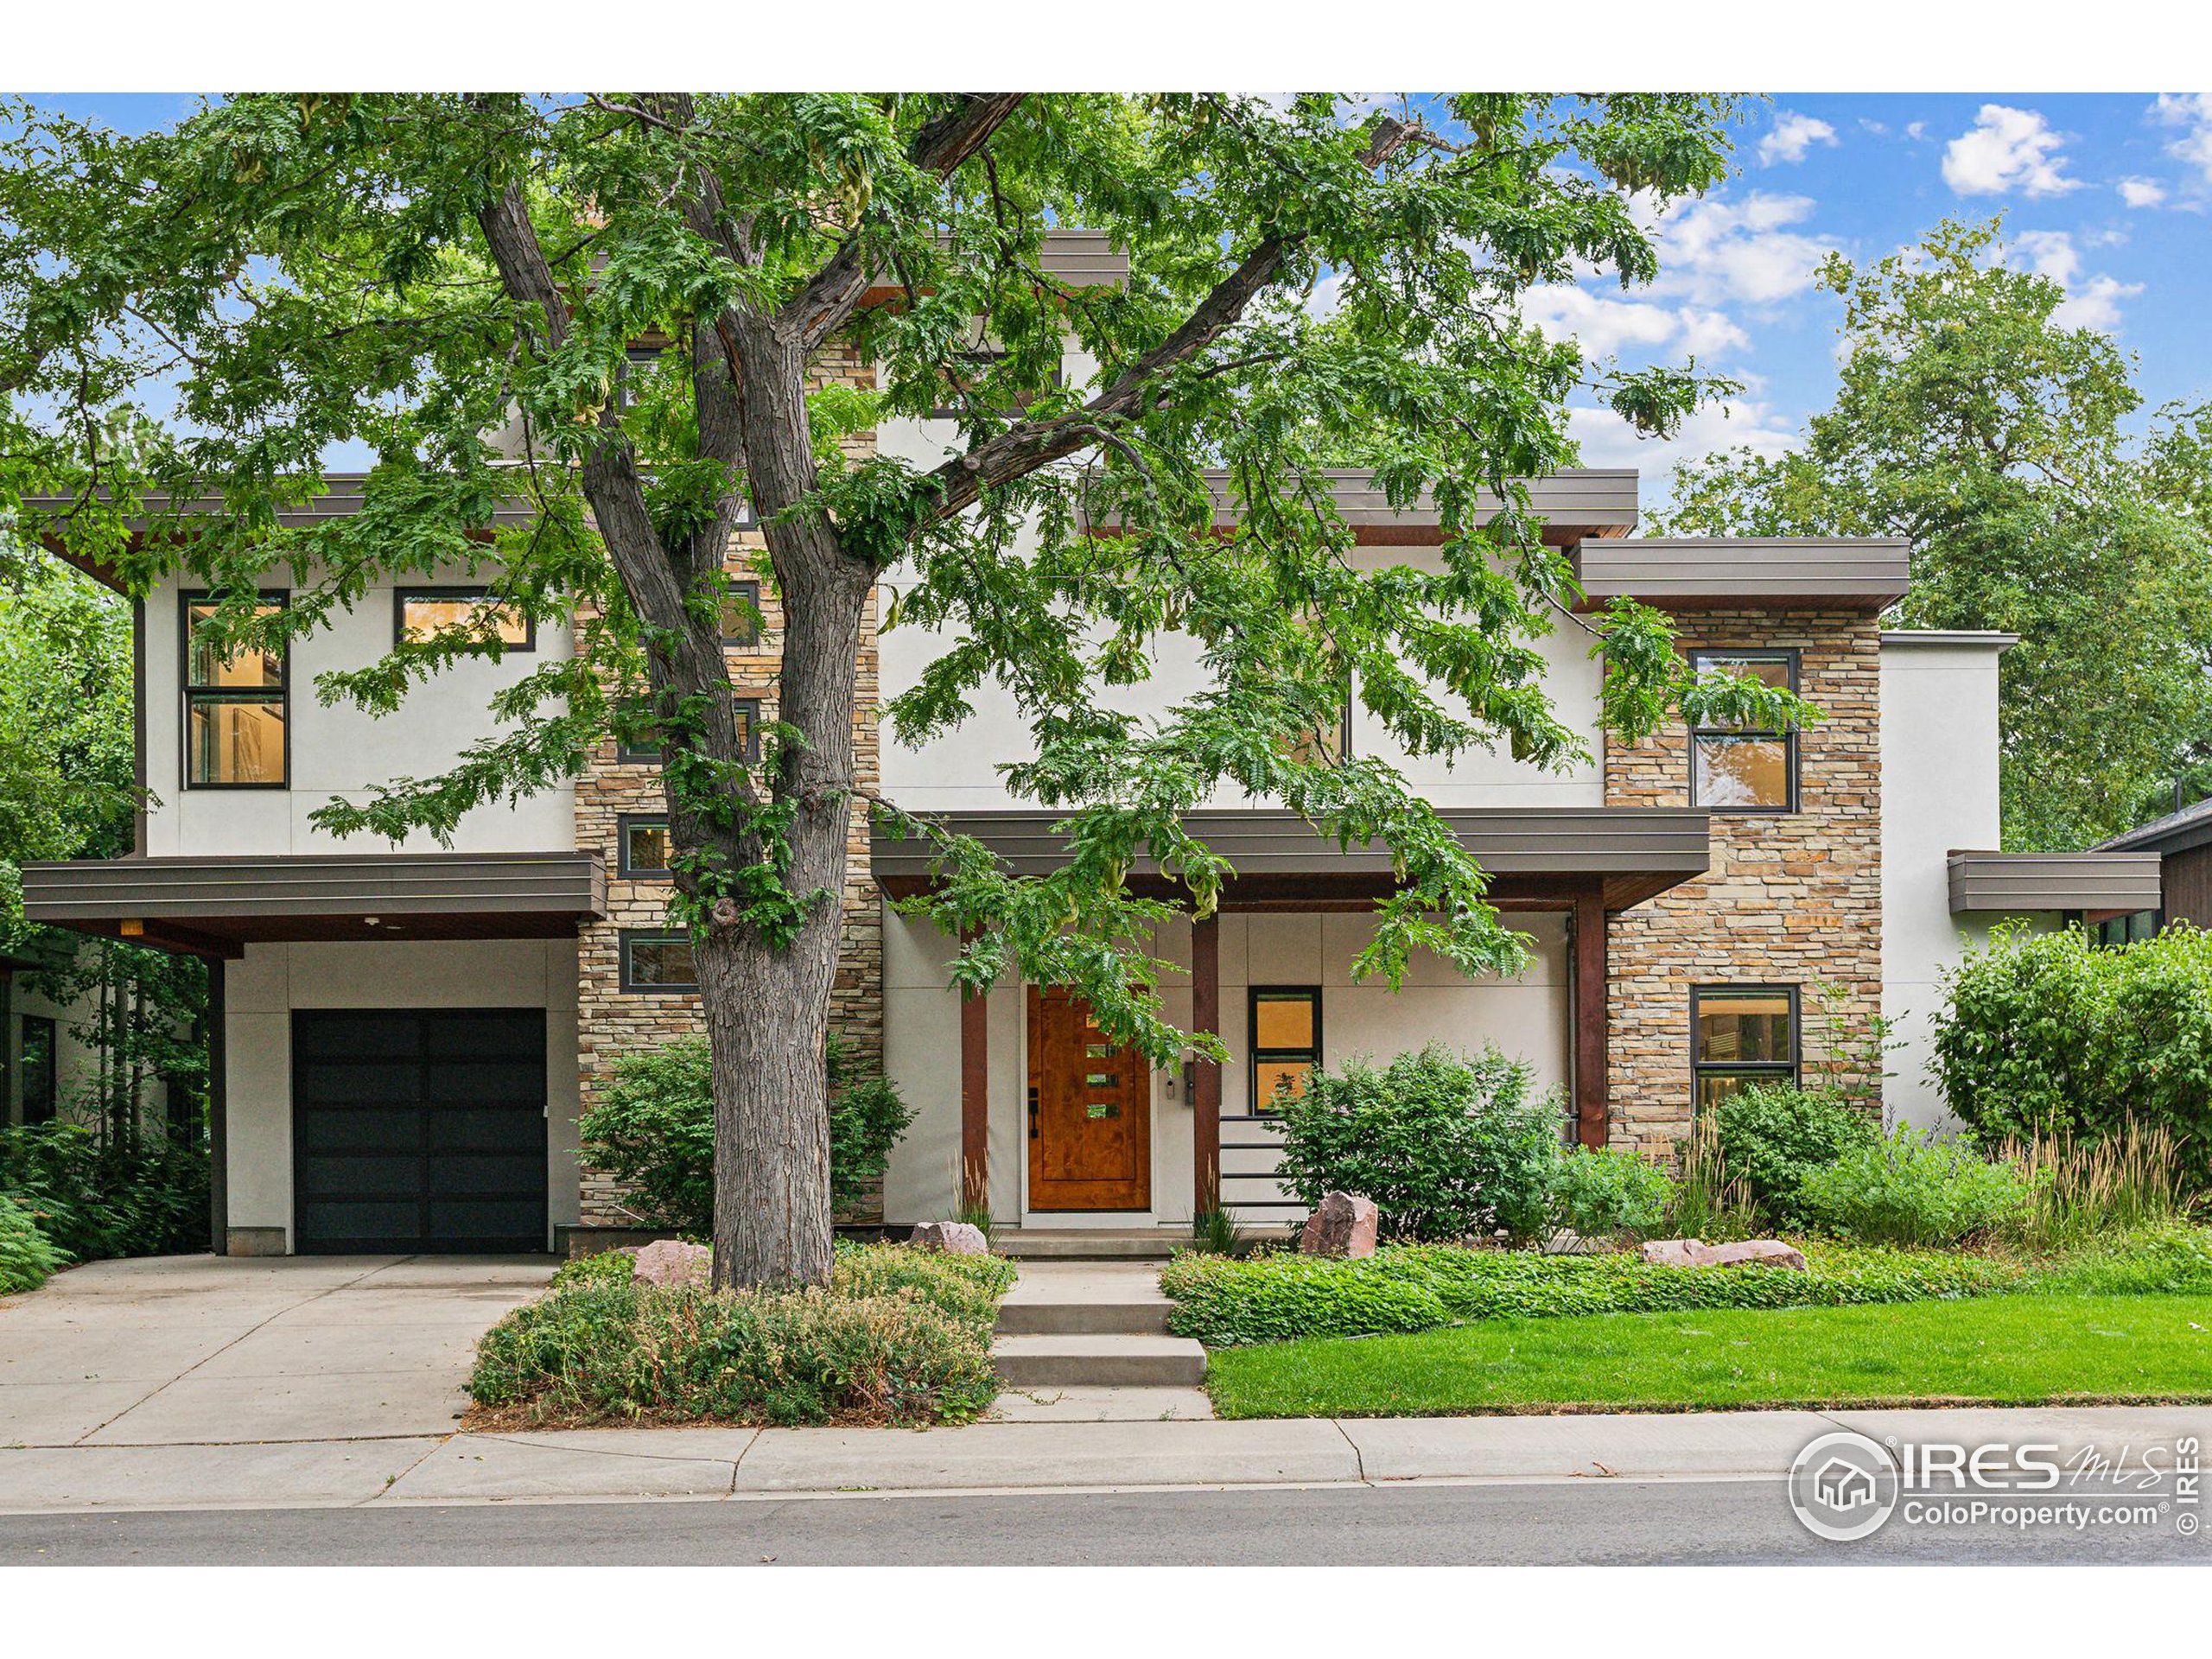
x,y
705,1464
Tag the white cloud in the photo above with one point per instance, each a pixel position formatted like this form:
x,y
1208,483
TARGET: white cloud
x,y
1607,328
2007,150
1713,252
1791,136
2192,112
2141,193
2091,304
2095,304
1915,131
1746,421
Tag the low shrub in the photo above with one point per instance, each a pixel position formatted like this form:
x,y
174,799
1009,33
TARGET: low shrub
x,y
28,1257
1402,1288
1910,1189
96,1201
1609,1193
601,1268
653,1129
1773,1136
899,1337
1448,1146
2044,1036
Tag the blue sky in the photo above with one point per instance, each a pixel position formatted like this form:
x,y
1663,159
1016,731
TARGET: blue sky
x,y
2107,192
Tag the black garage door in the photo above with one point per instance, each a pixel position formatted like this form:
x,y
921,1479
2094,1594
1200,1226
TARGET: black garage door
x,y
418,1129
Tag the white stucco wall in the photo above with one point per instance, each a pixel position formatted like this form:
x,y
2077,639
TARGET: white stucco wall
x,y
342,750
959,771
1939,793
262,989
1527,1018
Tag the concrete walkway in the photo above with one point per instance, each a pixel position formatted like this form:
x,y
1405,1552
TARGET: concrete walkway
x,y
201,1351
704,1465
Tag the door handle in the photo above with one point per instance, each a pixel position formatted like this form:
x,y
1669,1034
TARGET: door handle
x,y
1033,1111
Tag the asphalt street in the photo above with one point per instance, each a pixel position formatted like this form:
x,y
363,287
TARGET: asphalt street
x,y
1599,1521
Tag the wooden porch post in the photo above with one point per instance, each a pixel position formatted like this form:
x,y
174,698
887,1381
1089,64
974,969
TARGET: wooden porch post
x,y
1205,1088
1587,955
974,1103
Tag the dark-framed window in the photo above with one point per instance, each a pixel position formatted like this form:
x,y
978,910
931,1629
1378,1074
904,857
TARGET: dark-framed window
x,y
237,708
417,612
641,846
740,612
41,1078
1735,769
1741,1035
656,964
2115,933
748,737
1285,1030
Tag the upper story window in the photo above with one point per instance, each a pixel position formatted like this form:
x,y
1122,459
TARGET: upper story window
x,y
1737,770
237,707
419,612
1739,1035
1285,1042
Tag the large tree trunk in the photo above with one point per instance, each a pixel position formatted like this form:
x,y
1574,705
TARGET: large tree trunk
x,y
768,1002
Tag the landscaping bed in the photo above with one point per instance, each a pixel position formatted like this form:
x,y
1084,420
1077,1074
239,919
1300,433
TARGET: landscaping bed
x,y
900,1337
1224,1302
2008,1349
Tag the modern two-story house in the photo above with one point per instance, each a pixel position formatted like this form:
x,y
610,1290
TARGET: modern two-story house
x,y
406,1035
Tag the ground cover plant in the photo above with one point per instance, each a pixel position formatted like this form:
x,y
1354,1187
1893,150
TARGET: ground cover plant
x,y
28,1257
1283,1296
898,1335
2000,1350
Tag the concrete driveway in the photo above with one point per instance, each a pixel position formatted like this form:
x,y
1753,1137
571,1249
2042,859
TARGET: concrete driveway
x,y
210,1351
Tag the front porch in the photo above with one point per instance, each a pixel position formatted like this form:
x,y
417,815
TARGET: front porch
x,y
1009,1105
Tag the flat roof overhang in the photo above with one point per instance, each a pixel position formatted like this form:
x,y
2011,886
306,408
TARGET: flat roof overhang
x,y
2096,884
1716,572
217,906
1538,858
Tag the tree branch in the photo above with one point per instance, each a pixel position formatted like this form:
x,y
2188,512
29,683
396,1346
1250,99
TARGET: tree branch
x,y
822,306
1021,449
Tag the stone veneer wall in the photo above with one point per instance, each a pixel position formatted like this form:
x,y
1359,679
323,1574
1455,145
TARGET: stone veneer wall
x,y
609,1022
1790,898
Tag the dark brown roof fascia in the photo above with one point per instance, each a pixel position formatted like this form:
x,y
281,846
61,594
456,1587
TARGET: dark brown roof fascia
x,y
2099,883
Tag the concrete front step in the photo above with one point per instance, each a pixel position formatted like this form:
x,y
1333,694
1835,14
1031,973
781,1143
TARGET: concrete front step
x,y
1132,1317
1089,1244
1099,1361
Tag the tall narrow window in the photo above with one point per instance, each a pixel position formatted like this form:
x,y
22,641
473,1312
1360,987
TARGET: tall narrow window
x,y
41,1090
1737,769
1285,1042
421,612
654,963
236,707
741,612
1741,1035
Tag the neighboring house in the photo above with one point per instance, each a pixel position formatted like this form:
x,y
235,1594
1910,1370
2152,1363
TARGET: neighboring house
x,y
2181,842
405,1036
47,1070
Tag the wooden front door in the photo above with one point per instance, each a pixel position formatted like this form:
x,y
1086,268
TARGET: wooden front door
x,y
1090,1112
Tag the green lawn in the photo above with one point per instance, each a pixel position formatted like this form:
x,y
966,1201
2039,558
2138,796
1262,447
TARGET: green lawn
x,y
2003,1350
